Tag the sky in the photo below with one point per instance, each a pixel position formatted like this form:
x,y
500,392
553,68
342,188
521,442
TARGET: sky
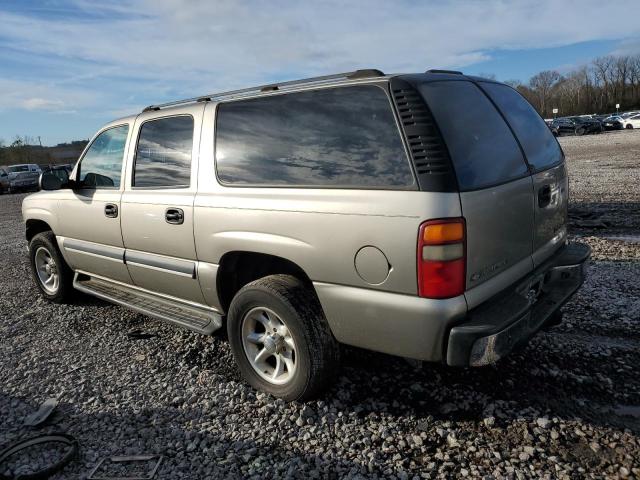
x,y
69,66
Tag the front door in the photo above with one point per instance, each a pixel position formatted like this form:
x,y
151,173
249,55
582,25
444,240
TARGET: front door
x,y
89,215
157,205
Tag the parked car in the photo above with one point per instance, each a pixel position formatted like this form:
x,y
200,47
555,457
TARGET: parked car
x,y
613,122
632,122
4,181
586,124
553,127
23,177
577,126
418,215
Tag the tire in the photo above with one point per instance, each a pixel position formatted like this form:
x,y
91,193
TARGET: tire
x,y
554,320
629,126
580,131
43,249
305,343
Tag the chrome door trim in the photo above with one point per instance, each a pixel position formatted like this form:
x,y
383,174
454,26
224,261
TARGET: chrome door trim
x,y
175,266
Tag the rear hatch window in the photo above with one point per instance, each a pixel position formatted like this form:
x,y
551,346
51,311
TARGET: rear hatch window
x,y
539,144
483,150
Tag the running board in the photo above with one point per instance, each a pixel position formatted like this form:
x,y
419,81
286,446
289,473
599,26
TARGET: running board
x,y
199,319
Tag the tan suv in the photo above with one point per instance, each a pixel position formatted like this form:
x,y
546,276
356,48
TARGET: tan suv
x,y
419,215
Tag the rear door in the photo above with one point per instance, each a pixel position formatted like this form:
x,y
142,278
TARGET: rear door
x,y
157,204
496,189
546,160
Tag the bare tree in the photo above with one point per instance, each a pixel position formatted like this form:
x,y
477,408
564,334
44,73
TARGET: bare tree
x,y
541,85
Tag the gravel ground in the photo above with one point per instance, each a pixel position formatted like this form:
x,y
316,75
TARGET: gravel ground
x,y
566,406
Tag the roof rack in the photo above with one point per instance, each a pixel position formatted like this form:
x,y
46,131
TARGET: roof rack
x,y
357,74
452,72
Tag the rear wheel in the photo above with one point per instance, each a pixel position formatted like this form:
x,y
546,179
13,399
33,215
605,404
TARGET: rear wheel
x,y
53,276
280,338
580,131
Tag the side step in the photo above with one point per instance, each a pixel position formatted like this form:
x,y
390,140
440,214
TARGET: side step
x,y
191,316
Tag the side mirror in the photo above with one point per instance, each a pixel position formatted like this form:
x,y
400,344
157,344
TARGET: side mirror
x,y
49,181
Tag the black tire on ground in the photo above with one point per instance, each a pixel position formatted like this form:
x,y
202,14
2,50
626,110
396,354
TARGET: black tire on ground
x,y
317,351
65,291
580,131
629,126
554,320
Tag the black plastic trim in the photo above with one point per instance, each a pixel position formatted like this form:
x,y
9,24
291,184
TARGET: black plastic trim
x,y
511,314
427,149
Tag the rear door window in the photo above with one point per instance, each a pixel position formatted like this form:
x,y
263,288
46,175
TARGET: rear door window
x,y
332,138
483,150
539,144
163,155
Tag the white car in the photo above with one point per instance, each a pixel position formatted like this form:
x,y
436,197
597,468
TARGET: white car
x,y
632,122
23,176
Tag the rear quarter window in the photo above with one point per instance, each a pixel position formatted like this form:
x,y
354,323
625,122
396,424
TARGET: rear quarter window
x,y
483,150
539,145
331,138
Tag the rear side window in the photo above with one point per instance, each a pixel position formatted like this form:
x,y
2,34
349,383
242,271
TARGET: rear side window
x,y
482,148
163,155
540,146
339,137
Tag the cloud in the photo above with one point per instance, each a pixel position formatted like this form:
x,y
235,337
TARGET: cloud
x,y
36,103
104,56
224,42
36,96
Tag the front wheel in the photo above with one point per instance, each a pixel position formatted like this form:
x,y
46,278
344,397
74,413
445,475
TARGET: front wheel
x,y
53,276
280,338
629,126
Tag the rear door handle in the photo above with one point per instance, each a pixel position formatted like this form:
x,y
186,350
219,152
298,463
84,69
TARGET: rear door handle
x,y
174,216
111,210
544,196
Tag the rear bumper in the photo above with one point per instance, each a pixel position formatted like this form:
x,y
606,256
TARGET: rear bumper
x,y
496,327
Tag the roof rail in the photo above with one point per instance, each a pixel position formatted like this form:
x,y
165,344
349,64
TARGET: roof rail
x,y
452,72
270,87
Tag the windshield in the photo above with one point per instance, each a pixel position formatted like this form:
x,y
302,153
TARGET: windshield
x,y
18,168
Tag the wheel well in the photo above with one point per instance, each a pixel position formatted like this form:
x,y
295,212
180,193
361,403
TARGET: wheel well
x,y
239,268
35,227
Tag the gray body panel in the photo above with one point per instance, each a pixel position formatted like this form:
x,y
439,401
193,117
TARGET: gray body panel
x,y
550,231
499,227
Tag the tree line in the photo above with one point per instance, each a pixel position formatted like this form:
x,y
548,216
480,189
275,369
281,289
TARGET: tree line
x,y
28,150
593,88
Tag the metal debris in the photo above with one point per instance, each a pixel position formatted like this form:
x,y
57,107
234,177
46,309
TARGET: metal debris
x,y
121,461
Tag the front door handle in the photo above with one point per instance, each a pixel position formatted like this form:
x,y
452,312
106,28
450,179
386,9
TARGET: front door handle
x,y
174,216
111,210
544,196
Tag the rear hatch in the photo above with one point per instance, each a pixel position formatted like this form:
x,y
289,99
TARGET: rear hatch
x,y
510,175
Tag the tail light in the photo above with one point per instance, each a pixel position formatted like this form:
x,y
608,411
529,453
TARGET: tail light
x,y
441,258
